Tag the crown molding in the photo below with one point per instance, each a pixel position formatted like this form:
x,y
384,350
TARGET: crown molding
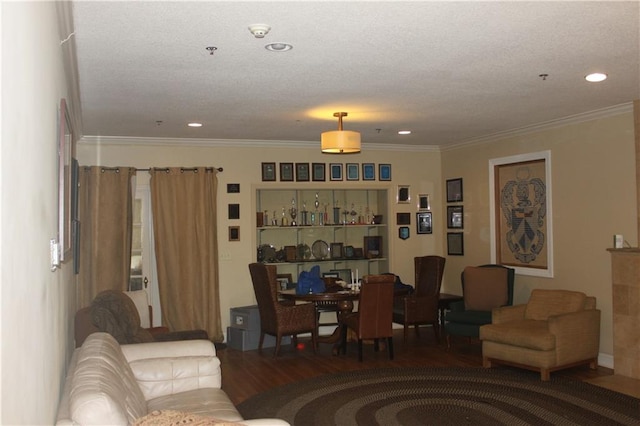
x,y
551,124
250,143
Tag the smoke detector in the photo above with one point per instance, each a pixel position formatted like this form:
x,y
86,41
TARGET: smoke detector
x,y
259,30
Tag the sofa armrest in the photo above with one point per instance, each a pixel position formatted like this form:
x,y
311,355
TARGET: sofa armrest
x,y
577,335
167,368
507,313
265,422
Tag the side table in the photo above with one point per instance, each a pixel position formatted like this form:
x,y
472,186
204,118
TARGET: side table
x,y
444,304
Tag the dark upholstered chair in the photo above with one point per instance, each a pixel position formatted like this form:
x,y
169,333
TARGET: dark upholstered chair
x,y
483,288
374,317
280,318
115,312
421,307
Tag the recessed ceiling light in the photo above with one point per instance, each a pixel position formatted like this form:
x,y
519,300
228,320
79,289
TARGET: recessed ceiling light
x,y
194,124
596,77
404,132
278,47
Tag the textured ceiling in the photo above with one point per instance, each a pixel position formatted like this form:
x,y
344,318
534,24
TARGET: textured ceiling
x,y
447,71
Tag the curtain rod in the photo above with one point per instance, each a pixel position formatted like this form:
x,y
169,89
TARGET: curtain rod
x,y
209,169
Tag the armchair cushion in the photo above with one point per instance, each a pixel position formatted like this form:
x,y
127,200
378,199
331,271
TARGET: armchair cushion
x,y
545,303
485,288
530,334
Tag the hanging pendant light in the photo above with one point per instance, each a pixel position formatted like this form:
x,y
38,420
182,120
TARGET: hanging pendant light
x,y
340,141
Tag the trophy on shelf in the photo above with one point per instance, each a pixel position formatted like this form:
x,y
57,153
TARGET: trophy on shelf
x,y
293,212
303,214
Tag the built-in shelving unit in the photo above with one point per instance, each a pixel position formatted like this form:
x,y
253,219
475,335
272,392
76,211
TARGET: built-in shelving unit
x,y
334,228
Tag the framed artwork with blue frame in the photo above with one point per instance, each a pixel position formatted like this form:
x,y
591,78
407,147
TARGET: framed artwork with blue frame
x,y
335,171
384,171
368,171
352,171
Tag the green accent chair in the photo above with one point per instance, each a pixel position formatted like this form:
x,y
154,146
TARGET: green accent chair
x,y
483,288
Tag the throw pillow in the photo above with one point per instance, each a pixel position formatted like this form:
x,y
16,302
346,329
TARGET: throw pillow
x,y
177,418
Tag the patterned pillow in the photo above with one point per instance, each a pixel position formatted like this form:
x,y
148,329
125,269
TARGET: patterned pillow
x,y
176,418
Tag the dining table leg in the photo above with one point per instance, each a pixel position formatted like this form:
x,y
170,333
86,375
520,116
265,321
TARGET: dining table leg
x,y
344,307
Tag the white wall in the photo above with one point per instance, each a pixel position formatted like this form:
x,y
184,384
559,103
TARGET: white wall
x,y
35,302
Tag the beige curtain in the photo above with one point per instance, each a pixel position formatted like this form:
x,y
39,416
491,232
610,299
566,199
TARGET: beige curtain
x,y
105,212
185,232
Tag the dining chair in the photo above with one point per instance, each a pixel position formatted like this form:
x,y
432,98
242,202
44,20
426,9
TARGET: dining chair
x,y
421,307
280,317
374,317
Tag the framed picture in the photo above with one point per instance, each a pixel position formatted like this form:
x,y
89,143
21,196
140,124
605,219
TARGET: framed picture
x,y
372,247
268,172
285,281
234,211
358,252
233,188
352,171
286,172
423,222
384,171
343,274
335,171
455,217
348,252
455,243
403,196
403,218
521,213
66,152
234,233
75,222
318,172
336,250
454,190
368,171
302,172
403,232
424,204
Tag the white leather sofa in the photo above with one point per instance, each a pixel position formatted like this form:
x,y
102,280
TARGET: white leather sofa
x,y
112,384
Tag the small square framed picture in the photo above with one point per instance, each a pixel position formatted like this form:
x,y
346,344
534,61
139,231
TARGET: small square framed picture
x,y
384,172
268,172
404,195
352,171
455,244
233,188
234,211
368,171
455,217
286,172
234,233
454,190
403,218
424,224
424,203
302,172
318,172
335,171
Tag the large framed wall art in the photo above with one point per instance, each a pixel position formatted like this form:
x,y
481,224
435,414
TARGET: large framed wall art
x,y
521,219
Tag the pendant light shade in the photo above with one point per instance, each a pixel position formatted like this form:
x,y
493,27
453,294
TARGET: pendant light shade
x,y
340,141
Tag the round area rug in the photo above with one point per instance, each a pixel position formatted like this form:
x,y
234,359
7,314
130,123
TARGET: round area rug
x,y
442,396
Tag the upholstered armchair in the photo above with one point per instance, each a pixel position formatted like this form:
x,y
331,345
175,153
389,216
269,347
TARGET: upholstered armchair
x,y
280,318
128,317
374,317
483,288
556,329
421,307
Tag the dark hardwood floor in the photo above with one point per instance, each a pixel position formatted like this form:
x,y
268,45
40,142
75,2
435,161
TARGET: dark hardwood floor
x,y
245,374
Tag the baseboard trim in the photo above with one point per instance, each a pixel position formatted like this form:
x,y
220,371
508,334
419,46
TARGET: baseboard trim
x,y
605,360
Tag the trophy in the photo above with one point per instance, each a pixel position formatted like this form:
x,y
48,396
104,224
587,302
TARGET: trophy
x,y
293,212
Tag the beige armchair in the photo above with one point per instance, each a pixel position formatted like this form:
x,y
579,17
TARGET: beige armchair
x,y
556,329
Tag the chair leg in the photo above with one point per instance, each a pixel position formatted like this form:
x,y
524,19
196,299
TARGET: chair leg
x,y
417,327
344,339
448,341
360,350
406,331
314,339
261,342
275,352
436,331
376,345
390,345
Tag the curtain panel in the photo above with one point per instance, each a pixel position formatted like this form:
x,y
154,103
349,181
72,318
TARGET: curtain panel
x,y
105,212
185,229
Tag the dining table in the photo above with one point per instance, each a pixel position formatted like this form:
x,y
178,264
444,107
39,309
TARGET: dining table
x,y
341,298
